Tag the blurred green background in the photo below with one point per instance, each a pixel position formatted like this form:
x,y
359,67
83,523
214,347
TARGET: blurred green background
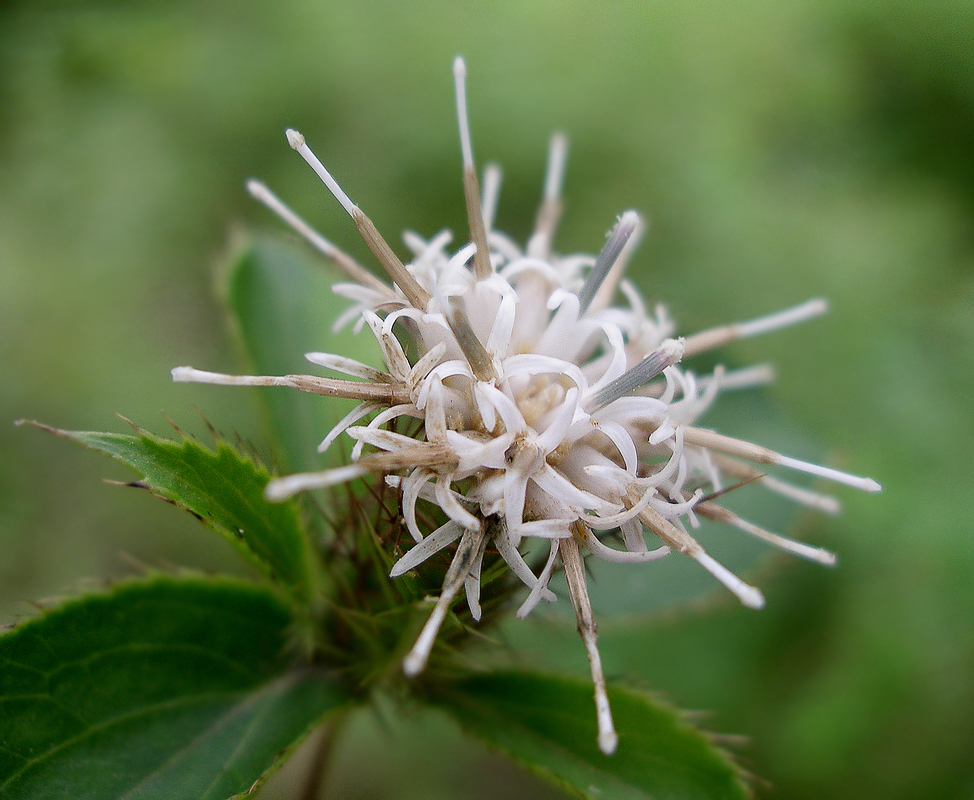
x,y
781,151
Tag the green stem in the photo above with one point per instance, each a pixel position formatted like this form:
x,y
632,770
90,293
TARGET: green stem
x,y
318,771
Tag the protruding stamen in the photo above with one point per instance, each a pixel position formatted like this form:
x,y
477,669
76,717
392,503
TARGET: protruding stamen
x,y
743,378
682,542
297,141
571,559
471,186
748,595
799,494
555,172
551,206
800,549
669,353
460,84
380,248
282,488
491,191
866,484
469,552
260,192
762,455
618,236
415,293
716,337
782,319
606,293
386,393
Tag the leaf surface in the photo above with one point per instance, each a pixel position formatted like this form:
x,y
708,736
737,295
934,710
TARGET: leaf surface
x,y
164,687
225,490
547,724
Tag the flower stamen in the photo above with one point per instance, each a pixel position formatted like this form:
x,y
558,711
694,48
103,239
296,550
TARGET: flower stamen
x,y
574,566
762,455
471,186
718,337
469,553
535,407
260,192
380,248
627,224
546,221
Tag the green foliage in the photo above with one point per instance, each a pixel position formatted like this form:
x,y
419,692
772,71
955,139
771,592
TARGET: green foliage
x,y
168,688
181,687
547,723
223,489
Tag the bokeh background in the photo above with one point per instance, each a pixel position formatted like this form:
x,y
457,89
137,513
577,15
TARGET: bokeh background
x,y
781,151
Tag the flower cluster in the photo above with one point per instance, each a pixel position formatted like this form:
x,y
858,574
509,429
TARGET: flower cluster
x,y
547,412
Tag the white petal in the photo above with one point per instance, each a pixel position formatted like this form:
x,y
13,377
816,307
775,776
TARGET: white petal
x,y
499,341
517,564
560,338
422,367
617,364
534,364
623,442
606,553
392,352
447,500
554,434
411,488
559,487
547,528
494,398
384,440
418,553
353,416
471,586
535,595
515,486
348,366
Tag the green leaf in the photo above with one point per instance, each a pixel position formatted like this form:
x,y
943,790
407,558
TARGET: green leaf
x,y
226,491
164,688
547,723
284,307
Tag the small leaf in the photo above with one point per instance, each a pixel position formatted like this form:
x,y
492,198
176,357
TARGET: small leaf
x,y
226,491
164,687
547,723
284,307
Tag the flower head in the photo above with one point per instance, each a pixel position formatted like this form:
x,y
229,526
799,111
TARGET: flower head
x,y
545,411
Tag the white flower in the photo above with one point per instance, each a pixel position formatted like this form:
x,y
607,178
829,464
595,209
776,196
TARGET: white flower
x,y
546,411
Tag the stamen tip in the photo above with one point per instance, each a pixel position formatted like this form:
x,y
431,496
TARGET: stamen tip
x,y
673,350
751,597
182,374
631,220
818,306
278,491
294,138
413,664
869,485
459,68
608,742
